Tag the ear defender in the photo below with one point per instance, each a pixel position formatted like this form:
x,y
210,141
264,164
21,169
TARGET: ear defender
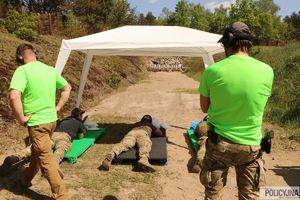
x,y
228,37
19,57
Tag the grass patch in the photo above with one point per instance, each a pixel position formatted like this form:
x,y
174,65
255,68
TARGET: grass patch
x,y
284,105
187,90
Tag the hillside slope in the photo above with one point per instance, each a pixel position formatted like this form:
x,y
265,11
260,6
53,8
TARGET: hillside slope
x,y
106,73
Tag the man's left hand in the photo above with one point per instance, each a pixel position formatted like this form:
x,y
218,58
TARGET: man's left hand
x,y
24,120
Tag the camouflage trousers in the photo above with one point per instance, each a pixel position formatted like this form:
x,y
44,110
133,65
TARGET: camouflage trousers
x,y
140,137
246,159
60,143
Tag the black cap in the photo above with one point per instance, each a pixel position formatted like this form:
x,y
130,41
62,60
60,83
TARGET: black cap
x,y
76,112
240,27
239,30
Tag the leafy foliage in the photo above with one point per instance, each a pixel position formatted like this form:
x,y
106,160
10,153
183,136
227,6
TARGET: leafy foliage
x,y
24,26
121,14
43,6
73,27
293,22
284,105
93,13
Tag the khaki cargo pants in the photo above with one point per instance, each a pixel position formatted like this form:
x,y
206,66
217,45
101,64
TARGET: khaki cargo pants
x,y
248,165
60,144
140,137
42,158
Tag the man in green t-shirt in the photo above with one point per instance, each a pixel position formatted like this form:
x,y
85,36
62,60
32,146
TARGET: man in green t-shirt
x,y
234,93
32,98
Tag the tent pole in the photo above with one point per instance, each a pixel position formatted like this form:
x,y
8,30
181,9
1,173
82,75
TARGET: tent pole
x,y
83,78
208,60
62,57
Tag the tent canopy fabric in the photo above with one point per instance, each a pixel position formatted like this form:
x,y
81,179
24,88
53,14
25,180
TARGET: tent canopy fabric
x,y
141,41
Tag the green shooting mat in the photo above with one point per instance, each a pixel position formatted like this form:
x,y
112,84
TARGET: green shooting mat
x,y
79,146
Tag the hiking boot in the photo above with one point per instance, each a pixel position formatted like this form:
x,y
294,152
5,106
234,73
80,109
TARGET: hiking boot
x,y
106,163
144,165
196,168
7,165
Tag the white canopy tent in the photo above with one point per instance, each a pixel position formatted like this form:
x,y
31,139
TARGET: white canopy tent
x,y
140,41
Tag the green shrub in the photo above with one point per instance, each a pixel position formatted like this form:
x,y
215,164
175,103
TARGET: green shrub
x,y
23,26
73,28
115,79
2,26
25,33
13,21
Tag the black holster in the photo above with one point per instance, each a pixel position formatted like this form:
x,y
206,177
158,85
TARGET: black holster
x,y
212,136
266,145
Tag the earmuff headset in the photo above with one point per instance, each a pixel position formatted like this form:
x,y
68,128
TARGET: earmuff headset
x,y
19,56
230,36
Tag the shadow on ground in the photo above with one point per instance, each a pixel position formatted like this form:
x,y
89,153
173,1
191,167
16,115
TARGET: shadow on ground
x,y
110,197
290,174
114,133
9,183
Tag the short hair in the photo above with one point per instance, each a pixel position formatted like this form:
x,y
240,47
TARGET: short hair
x,y
22,47
243,45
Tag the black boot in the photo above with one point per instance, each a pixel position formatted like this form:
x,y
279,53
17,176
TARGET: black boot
x,y
106,163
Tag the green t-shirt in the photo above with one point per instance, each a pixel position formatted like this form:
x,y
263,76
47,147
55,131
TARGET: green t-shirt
x,y
238,88
38,83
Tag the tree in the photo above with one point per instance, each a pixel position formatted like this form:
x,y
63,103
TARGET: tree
x,y
245,11
293,23
43,6
6,5
182,14
270,23
199,18
72,27
261,16
150,19
219,20
163,18
141,19
94,13
267,6
121,14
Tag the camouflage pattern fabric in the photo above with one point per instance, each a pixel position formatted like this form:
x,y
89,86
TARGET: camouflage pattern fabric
x,y
61,144
140,136
248,166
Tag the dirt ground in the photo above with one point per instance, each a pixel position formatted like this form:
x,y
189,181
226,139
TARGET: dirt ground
x,y
172,98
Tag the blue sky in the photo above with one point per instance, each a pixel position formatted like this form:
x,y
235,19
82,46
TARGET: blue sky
x,y
155,6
